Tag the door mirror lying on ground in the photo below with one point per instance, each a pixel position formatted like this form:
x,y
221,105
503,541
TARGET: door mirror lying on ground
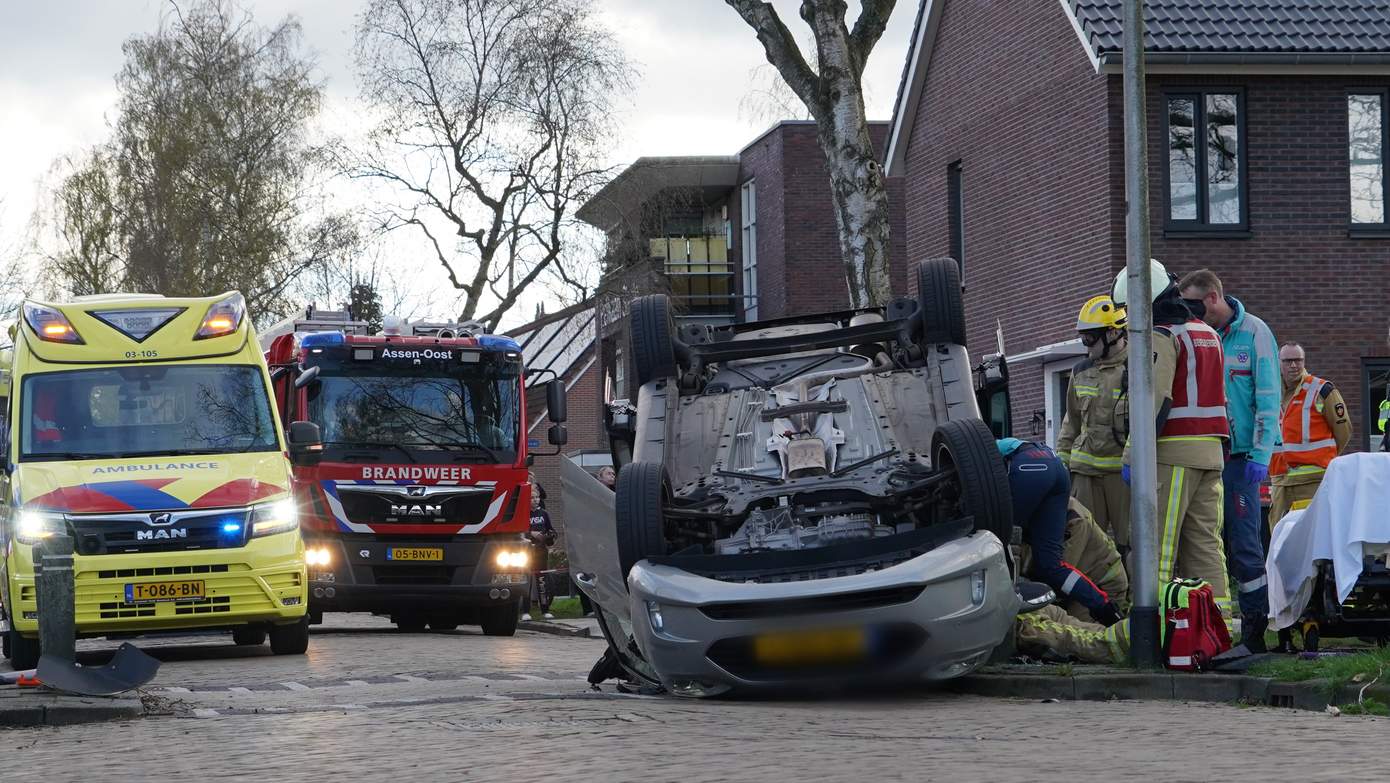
x,y
1033,596
306,443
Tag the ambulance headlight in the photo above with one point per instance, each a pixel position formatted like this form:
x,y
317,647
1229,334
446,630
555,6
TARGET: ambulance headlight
x,y
270,518
32,527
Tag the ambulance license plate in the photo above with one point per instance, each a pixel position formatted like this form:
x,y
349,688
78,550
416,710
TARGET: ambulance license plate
x,y
414,553
811,648
148,592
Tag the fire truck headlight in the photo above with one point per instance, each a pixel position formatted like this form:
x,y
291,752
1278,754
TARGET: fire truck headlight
x,y
318,556
513,559
279,517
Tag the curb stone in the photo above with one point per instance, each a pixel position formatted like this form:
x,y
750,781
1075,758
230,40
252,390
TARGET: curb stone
x,y
45,708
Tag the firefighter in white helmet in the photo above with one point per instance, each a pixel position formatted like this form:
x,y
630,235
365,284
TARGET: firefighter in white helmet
x,y
1096,424
1190,419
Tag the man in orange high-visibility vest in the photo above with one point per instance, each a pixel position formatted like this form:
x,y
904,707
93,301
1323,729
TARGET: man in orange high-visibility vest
x,y
1314,428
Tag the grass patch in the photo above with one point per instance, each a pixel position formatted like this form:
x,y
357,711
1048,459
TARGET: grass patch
x,y
1338,670
1367,707
566,609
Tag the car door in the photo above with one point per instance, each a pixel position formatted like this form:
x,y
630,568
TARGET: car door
x,y
591,539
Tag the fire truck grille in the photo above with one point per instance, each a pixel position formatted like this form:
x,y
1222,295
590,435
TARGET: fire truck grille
x,y
367,507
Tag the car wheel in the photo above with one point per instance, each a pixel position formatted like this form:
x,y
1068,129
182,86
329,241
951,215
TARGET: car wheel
x,y
967,447
22,651
499,620
640,499
292,639
409,623
940,307
248,636
653,344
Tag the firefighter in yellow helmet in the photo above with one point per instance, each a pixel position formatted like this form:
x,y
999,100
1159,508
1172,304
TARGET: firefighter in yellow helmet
x,y
1096,424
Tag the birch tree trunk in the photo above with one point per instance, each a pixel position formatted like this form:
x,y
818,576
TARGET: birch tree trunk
x,y
833,92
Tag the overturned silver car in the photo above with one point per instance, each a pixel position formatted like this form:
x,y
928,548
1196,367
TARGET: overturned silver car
x,y
803,500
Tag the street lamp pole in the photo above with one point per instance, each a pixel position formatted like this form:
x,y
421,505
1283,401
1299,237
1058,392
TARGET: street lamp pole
x,y
1143,619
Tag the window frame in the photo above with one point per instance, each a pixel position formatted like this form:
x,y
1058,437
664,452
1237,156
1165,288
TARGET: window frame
x,y
955,212
748,248
1381,229
1370,403
1201,226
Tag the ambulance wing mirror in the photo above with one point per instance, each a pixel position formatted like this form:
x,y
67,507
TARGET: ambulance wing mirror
x,y
306,443
305,378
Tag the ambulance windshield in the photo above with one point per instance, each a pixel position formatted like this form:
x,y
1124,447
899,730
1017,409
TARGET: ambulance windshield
x,y
145,411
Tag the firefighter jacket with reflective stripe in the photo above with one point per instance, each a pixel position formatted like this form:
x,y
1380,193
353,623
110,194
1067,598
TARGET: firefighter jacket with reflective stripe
x,y
1253,387
1096,423
1314,430
1189,396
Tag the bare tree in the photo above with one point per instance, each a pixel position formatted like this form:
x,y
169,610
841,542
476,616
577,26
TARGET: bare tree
x,y
833,92
770,99
84,254
495,115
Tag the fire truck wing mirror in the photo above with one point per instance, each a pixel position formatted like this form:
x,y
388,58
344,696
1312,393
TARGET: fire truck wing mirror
x,y
559,435
555,401
305,378
306,443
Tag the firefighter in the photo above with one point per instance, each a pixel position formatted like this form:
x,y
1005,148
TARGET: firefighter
x,y
1190,419
1383,418
1314,427
1041,493
1051,631
1252,394
1096,424
1088,549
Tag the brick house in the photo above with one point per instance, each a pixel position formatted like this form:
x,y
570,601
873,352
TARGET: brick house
x,y
731,238
1266,132
563,343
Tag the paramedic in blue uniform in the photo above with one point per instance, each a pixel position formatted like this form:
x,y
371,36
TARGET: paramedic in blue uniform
x,y
1041,489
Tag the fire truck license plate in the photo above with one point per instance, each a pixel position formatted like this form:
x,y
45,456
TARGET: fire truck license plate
x,y
144,592
414,553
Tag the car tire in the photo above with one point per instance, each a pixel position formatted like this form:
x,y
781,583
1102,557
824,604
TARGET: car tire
x,y
640,497
499,620
248,636
983,478
292,639
409,623
940,306
653,342
23,652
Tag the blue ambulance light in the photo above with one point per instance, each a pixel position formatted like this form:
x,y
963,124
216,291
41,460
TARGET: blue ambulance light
x,y
493,342
322,340
231,527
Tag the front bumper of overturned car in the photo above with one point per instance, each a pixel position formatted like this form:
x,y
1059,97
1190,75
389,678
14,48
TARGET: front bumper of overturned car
x,y
937,621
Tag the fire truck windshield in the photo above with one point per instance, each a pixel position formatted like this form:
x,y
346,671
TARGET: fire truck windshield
x,y
434,412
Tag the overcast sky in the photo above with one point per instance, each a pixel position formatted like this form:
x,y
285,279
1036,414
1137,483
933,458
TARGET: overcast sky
x,y
58,59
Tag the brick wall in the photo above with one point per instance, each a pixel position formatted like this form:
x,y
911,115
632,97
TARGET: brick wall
x,y
1010,95
800,266
1299,270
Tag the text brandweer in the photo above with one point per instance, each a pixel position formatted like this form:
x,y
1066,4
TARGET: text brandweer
x,y
441,473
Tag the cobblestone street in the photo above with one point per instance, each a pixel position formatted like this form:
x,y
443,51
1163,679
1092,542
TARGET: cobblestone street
x,y
368,703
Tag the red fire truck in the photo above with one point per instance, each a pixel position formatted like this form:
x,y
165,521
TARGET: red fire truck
x,y
418,506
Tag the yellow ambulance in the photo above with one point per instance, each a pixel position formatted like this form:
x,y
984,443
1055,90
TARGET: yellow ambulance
x,y
144,428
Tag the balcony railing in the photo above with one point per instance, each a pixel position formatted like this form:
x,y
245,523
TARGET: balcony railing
x,y
702,279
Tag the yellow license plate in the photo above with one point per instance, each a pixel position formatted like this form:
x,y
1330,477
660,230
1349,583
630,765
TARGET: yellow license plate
x,y
144,592
414,553
810,648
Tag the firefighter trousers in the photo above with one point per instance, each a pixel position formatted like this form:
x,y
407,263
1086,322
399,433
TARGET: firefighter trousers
x,y
1283,496
1190,542
1107,498
1090,551
1052,631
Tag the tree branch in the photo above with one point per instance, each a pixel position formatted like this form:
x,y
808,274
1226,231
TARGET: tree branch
x,y
782,51
873,20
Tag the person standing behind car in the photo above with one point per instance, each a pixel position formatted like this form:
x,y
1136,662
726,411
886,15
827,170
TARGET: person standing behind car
x,y
1041,494
1252,406
542,536
1096,424
1190,420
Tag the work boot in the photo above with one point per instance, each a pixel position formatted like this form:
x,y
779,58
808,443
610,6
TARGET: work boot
x,y
1286,645
1252,633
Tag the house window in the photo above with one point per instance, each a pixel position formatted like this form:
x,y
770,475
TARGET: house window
x,y
1366,157
955,210
1206,161
619,373
749,239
